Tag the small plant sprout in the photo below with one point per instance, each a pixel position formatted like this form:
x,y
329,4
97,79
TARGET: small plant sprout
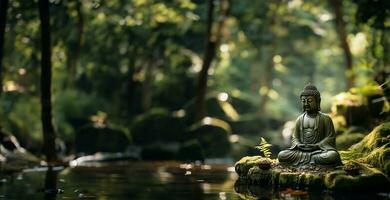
x,y
263,147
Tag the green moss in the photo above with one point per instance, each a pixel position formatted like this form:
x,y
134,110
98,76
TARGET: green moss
x,y
258,175
369,179
287,179
242,166
301,180
373,149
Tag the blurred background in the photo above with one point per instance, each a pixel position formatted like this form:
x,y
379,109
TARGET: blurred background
x,y
185,79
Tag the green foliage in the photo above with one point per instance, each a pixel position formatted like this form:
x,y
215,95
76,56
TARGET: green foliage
x,y
263,147
126,58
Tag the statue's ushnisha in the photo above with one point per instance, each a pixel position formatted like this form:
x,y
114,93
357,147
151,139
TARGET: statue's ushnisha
x,y
313,138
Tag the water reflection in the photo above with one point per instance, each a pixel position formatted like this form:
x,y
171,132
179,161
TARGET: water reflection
x,y
251,192
51,184
154,180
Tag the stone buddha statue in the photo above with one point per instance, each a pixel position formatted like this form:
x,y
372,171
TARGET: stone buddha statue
x,y
313,138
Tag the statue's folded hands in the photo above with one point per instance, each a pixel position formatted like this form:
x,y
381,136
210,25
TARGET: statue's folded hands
x,y
308,147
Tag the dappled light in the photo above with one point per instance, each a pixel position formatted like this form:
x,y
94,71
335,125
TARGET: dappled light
x,y
186,99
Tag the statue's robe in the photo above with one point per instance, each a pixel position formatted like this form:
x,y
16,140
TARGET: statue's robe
x,y
323,134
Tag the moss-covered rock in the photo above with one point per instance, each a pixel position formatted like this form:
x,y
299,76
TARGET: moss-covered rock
x,y
373,149
308,180
258,175
244,164
368,179
316,178
158,125
90,140
191,151
212,135
361,105
158,151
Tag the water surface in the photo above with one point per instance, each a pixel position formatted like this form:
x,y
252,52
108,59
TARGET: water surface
x,y
147,180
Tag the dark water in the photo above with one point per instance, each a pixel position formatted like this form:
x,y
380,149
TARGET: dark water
x,y
157,180
167,180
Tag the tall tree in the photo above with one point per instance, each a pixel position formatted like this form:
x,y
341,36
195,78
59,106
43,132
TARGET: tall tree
x,y
212,42
46,75
268,75
3,20
337,7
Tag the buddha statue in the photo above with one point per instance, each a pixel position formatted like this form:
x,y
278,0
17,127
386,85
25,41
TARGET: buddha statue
x,y
313,138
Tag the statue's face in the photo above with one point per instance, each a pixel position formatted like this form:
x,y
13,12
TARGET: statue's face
x,y
309,104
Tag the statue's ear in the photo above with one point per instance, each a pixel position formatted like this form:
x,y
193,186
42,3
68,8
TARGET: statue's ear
x,y
319,105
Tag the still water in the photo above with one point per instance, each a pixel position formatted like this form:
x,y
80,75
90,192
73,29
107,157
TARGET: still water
x,y
146,180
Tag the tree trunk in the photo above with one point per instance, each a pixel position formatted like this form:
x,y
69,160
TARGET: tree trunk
x,y
46,111
130,83
212,43
268,76
74,51
3,20
269,70
51,183
342,34
147,95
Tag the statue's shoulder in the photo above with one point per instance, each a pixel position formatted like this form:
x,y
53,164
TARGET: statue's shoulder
x,y
324,116
300,117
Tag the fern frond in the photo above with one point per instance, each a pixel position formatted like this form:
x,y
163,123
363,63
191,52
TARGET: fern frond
x,y
263,147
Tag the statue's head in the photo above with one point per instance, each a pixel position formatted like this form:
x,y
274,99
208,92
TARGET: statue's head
x,y
310,99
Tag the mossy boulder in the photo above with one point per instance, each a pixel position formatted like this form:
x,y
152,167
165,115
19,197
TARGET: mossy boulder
x,y
259,175
244,164
361,105
191,151
316,178
373,149
212,135
351,107
308,180
159,151
368,180
90,139
366,168
158,125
